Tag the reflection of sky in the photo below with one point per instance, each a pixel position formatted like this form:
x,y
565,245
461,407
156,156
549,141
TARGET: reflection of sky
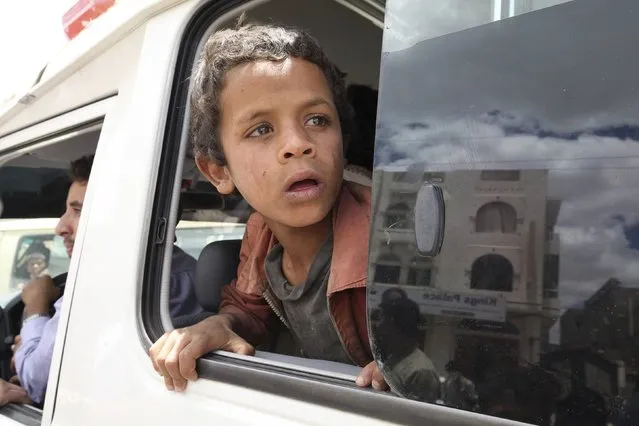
x,y
594,176
408,22
632,235
556,89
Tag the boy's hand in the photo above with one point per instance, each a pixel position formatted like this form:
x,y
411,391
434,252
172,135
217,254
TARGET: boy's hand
x,y
371,375
174,354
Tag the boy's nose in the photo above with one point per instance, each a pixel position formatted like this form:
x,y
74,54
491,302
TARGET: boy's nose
x,y
296,143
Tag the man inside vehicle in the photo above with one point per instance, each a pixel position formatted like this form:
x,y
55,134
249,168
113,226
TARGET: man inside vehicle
x,y
34,349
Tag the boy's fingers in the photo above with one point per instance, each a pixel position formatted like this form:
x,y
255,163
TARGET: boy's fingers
x,y
168,382
241,347
172,364
161,359
187,360
379,383
365,377
155,351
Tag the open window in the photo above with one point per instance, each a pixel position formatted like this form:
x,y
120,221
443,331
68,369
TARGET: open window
x,y
34,182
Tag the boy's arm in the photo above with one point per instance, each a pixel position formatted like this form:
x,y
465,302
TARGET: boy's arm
x,y
251,316
174,355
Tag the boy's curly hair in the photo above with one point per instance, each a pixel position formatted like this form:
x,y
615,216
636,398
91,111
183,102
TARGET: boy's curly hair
x,y
246,43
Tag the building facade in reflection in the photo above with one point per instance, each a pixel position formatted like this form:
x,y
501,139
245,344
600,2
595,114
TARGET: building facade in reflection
x,y
491,295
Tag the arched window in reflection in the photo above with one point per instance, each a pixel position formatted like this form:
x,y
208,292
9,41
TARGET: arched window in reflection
x,y
397,216
388,269
496,217
492,272
419,273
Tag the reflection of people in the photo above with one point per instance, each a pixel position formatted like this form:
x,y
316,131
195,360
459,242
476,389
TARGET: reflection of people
x,y
279,143
407,369
36,265
33,356
459,391
33,262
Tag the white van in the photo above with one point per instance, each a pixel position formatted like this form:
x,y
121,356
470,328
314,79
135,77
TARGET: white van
x,y
506,136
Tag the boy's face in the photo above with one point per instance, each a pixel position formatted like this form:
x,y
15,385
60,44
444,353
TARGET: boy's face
x,y
282,139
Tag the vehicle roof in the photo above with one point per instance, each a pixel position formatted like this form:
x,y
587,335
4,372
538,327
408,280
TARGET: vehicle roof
x,y
104,32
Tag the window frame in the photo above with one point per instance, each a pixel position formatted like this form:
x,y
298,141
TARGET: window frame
x,y
296,384
84,118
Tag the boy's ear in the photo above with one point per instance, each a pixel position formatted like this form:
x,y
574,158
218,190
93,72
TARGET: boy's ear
x,y
218,175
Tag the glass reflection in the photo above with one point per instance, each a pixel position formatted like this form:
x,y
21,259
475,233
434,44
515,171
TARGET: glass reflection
x,y
531,310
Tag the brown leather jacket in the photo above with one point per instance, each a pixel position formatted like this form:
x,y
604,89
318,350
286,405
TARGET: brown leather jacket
x,y
256,308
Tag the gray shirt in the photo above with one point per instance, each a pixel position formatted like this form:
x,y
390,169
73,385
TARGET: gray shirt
x,y
306,305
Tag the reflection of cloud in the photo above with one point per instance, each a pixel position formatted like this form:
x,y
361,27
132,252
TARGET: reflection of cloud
x,y
408,21
487,141
512,126
593,175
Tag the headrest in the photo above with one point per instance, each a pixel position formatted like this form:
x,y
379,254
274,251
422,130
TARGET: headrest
x,y
216,267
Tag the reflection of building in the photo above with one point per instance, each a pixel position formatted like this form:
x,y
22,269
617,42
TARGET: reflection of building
x,y
607,324
499,242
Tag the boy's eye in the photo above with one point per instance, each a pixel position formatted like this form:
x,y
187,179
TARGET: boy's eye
x,y
317,120
261,130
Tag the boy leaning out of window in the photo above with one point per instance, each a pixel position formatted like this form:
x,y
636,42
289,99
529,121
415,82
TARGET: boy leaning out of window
x,y
270,119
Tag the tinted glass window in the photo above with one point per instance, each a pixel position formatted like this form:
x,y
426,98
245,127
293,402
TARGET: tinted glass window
x,y
528,112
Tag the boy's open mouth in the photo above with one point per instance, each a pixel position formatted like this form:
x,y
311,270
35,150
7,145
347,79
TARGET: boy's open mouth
x,y
303,186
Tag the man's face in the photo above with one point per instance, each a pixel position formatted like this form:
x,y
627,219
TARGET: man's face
x,y
282,139
68,224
